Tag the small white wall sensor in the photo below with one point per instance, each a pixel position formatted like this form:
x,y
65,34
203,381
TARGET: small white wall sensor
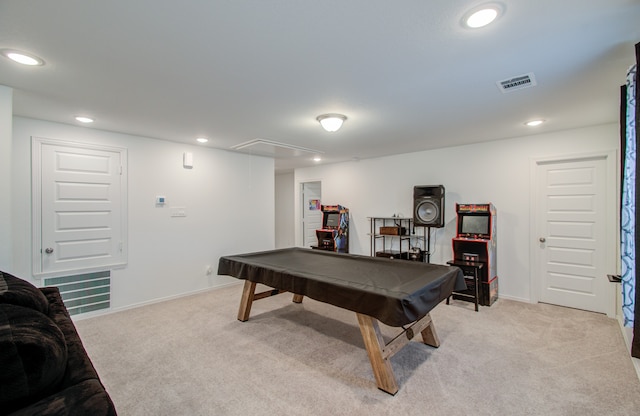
x,y
187,159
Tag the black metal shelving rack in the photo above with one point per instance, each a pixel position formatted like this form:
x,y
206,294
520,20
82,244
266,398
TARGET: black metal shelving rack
x,y
382,241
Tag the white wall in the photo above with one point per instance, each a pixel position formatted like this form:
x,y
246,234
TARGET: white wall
x,y
6,108
229,199
285,230
497,172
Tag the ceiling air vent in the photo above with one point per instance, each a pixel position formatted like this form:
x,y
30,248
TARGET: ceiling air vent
x,y
517,83
269,148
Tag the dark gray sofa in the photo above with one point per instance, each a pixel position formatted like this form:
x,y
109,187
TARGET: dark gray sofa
x,y
45,368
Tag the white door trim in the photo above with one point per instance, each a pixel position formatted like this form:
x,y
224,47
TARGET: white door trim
x,y
612,243
36,205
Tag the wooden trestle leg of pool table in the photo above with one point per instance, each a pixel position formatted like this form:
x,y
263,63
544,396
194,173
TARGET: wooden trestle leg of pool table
x,y
380,352
249,295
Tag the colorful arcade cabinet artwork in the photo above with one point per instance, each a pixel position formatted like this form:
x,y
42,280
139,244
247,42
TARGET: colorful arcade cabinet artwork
x,y
334,234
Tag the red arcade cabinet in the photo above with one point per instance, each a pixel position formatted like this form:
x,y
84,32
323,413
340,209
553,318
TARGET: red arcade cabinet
x,y
474,251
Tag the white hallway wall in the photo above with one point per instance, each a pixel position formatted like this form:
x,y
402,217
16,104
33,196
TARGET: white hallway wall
x,y
6,111
497,172
285,236
229,198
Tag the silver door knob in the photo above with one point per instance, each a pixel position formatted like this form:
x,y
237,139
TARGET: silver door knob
x,y
542,239
48,250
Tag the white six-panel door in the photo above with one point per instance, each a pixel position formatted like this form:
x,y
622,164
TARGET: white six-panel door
x,y
572,239
79,209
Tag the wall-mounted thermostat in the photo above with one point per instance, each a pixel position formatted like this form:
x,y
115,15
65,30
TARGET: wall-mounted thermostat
x,y
160,200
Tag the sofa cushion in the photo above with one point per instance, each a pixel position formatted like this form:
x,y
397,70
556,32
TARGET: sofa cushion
x,y
19,292
33,358
87,398
79,366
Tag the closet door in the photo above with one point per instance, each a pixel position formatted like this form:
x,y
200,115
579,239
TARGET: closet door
x,y
575,245
79,200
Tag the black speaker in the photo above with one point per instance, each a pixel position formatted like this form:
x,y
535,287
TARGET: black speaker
x,y
428,205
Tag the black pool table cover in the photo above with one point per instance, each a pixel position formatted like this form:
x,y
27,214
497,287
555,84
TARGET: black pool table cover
x,y
396,292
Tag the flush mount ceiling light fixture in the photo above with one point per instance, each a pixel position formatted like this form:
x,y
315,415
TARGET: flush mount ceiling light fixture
x,y
202,140
23,58
482,15
331,122
534,123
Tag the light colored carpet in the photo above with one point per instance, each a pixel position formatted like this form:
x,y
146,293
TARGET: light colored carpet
x,y
191,356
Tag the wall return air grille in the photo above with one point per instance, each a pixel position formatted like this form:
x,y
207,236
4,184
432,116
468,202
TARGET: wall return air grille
x,y
84,293
517,83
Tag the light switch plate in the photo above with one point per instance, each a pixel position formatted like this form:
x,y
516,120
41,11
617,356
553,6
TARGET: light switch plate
x,y
178,211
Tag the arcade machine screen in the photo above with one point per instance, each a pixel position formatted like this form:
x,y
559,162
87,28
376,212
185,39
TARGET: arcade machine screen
x,y
332,220
474,226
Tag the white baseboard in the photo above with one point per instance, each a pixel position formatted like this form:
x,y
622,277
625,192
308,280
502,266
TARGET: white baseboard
x,y
517,299
109,311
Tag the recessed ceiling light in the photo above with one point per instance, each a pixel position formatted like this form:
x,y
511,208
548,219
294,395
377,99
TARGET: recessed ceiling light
x,y
83,119
534,123
317,159
483,15
22,57
202,140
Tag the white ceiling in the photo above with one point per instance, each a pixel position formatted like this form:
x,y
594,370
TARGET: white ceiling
x,y
406,73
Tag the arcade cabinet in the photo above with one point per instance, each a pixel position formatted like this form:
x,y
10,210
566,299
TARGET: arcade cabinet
x,y
334,234
474,251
